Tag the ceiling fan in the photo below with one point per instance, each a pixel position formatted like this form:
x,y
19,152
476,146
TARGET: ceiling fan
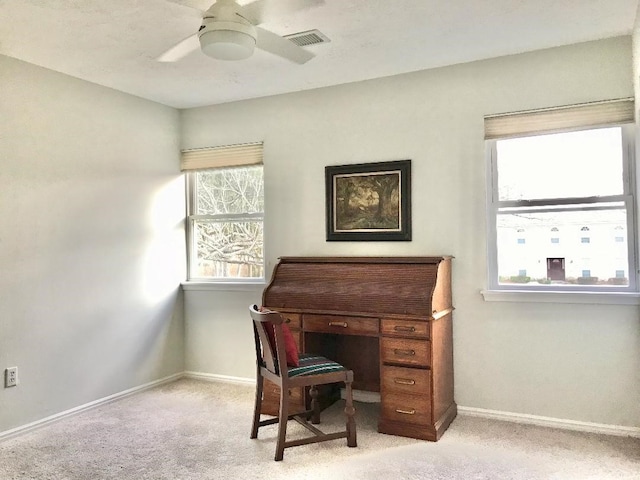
x,y
230,31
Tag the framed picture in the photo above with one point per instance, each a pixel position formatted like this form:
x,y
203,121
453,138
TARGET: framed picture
x,y
369,201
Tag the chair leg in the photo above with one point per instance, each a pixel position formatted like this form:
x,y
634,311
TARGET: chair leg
x,y
350,411
257,406
282,423
315,405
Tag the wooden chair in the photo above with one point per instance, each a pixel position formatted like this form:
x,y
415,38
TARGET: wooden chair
x,y
314,370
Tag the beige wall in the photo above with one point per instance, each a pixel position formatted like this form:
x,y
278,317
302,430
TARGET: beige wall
x,y
91,242
566,361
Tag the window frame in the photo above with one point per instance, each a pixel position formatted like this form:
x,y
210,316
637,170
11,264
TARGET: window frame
x,y
192,217
628,197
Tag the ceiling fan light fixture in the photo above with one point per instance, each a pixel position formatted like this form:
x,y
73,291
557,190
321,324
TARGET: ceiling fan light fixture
x,y
227,40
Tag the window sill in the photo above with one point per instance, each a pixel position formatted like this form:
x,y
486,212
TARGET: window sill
x,y
224,286
602,298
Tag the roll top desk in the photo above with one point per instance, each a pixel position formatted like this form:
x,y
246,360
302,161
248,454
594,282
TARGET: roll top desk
x,y
389,319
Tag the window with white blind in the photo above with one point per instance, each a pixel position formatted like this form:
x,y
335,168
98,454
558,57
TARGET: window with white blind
x,y
568,170
225,209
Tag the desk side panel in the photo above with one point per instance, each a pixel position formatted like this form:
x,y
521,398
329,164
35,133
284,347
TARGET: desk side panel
x,y
442,366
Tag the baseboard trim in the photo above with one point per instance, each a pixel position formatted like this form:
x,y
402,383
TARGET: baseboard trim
x,y
541,421
213,377
617,430
87,406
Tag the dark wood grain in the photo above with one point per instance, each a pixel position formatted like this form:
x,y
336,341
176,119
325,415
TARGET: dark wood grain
x,y
341,325
375,285
404,328
413,409
389,320
404,351
411,381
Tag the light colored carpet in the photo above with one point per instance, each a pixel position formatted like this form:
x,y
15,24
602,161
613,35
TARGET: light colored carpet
x,y
199,430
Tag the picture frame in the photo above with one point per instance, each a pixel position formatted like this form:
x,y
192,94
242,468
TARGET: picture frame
x,y
369,201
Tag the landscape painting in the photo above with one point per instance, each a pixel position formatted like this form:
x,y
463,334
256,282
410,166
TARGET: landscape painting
x,y
369,201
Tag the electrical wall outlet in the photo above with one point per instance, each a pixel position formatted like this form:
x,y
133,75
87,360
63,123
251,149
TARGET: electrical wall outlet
x,y
11,377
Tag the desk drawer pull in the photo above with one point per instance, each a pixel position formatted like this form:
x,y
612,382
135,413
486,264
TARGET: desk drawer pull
x,y
403,328
404,381
406,412
405,353
338,324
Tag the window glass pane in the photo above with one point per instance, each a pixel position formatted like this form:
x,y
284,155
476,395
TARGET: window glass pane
x,y
229,191
562,165
228,249
561,263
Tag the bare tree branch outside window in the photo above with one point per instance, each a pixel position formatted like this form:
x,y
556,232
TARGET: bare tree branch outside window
x,y
228,223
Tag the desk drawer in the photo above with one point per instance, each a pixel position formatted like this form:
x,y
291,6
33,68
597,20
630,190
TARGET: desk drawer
x,y
404,328
341,325
413,409
412,381
292,319
405,351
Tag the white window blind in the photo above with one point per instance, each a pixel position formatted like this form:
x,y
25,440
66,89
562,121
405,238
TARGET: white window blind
x,y
226,156
573,117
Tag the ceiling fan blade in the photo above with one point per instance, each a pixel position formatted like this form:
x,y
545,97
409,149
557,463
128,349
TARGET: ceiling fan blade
x,y
282,47
262,10
181,49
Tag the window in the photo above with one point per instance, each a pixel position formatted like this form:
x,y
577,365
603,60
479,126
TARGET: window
x,y
619,273
225,205
521,241
533,160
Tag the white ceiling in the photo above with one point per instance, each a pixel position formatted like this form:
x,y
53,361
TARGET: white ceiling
x,y
115,42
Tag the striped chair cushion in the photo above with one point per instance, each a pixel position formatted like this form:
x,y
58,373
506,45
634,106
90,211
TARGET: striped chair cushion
x,y
314,365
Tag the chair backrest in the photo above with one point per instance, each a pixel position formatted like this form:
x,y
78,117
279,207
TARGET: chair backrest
x,y
270,349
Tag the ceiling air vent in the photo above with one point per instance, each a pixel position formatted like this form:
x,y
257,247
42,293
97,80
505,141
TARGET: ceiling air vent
x,y
310,37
